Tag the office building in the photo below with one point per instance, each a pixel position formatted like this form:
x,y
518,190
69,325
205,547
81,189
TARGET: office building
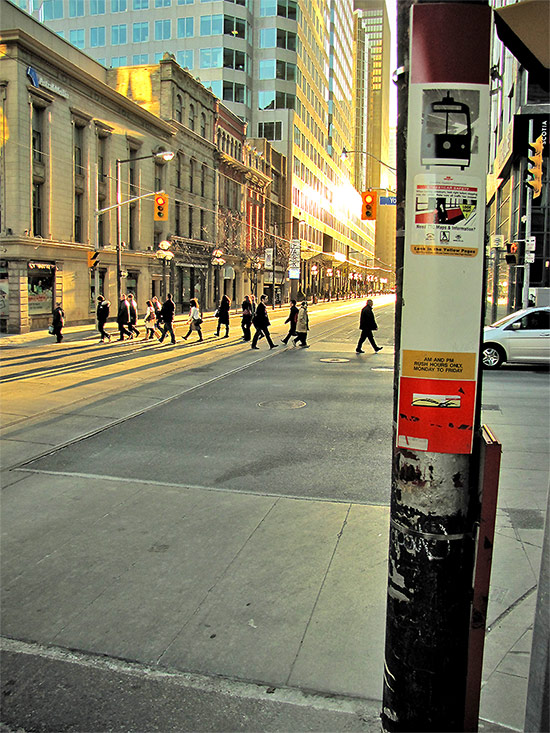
x,y
283,66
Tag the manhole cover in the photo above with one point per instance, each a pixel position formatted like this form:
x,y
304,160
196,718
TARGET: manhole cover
x,y
283,404
334,360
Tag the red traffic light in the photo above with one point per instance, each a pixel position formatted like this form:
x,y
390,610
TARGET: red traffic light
x,y
161,207
368,208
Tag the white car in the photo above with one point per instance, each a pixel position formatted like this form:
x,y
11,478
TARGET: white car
x,y
521,337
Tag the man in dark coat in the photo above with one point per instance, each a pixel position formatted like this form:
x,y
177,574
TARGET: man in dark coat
x,y
103,310
261,324
367,324
291,320
132,306
58,321
123,318
167,312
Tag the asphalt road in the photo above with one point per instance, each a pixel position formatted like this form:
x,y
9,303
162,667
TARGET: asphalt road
x,y
305,423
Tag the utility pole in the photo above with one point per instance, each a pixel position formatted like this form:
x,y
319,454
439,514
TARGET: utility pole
x,y
442,135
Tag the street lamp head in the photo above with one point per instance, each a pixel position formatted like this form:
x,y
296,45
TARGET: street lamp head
x,y
344,154
165,155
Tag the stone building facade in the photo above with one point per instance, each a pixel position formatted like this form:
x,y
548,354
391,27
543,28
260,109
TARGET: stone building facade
x,y
81,143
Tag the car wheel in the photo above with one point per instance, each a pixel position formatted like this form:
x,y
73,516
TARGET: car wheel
x,y
492,356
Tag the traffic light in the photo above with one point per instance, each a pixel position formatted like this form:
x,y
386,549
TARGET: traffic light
x,y
535,166
368,209
511,253
161,207
93,260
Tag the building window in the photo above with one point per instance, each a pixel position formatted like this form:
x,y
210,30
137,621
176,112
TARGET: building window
x,y
78,135
203,124
191,175
78,217
211,25
268,37
140,4
40,289
192,116
97,36
76,8
163,3
215,87
286,39
267,69
119,6
268,8
97,7
53,9
37,133
233,59
118,34
37,209
186,27
203,180
190,222
287,9
270,130
163,30
235,27
178,108
233,92
118,61
140,58
76,37
266,99
140,32
185,59
203,224
186,2
179,170
210,58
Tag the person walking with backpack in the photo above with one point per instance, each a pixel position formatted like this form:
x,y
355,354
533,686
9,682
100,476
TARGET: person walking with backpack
x,y
102,314
367,324
292,318
195,320
167,312
261,324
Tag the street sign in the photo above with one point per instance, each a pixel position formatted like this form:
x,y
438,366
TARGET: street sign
x,y
529,257
497,240
294,255
268,264
387,201
531,244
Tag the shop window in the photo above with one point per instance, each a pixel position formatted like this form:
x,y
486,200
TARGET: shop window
x,y
41,281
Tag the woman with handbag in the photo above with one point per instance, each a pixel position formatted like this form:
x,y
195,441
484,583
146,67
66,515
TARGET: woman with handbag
x,y
195,320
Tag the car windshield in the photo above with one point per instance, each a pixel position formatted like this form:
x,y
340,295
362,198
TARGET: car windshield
x,y
507,319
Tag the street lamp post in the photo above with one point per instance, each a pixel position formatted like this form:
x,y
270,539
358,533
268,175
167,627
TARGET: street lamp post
x,y
163,155
217,259
166,255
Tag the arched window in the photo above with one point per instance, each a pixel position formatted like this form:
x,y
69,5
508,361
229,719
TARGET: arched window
x,y
203,124
178,112
203,180
192,116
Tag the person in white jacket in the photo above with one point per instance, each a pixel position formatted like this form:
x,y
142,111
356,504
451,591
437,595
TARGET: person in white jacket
x,y
195,320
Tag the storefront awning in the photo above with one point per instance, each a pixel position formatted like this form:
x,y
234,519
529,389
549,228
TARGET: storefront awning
x,y
524,29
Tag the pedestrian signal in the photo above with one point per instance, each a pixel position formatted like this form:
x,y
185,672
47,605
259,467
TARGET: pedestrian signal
x,y
535,166
511,253
368,209
93,260
161,207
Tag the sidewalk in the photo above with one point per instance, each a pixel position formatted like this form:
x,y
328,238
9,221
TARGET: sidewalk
x,y
238,610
